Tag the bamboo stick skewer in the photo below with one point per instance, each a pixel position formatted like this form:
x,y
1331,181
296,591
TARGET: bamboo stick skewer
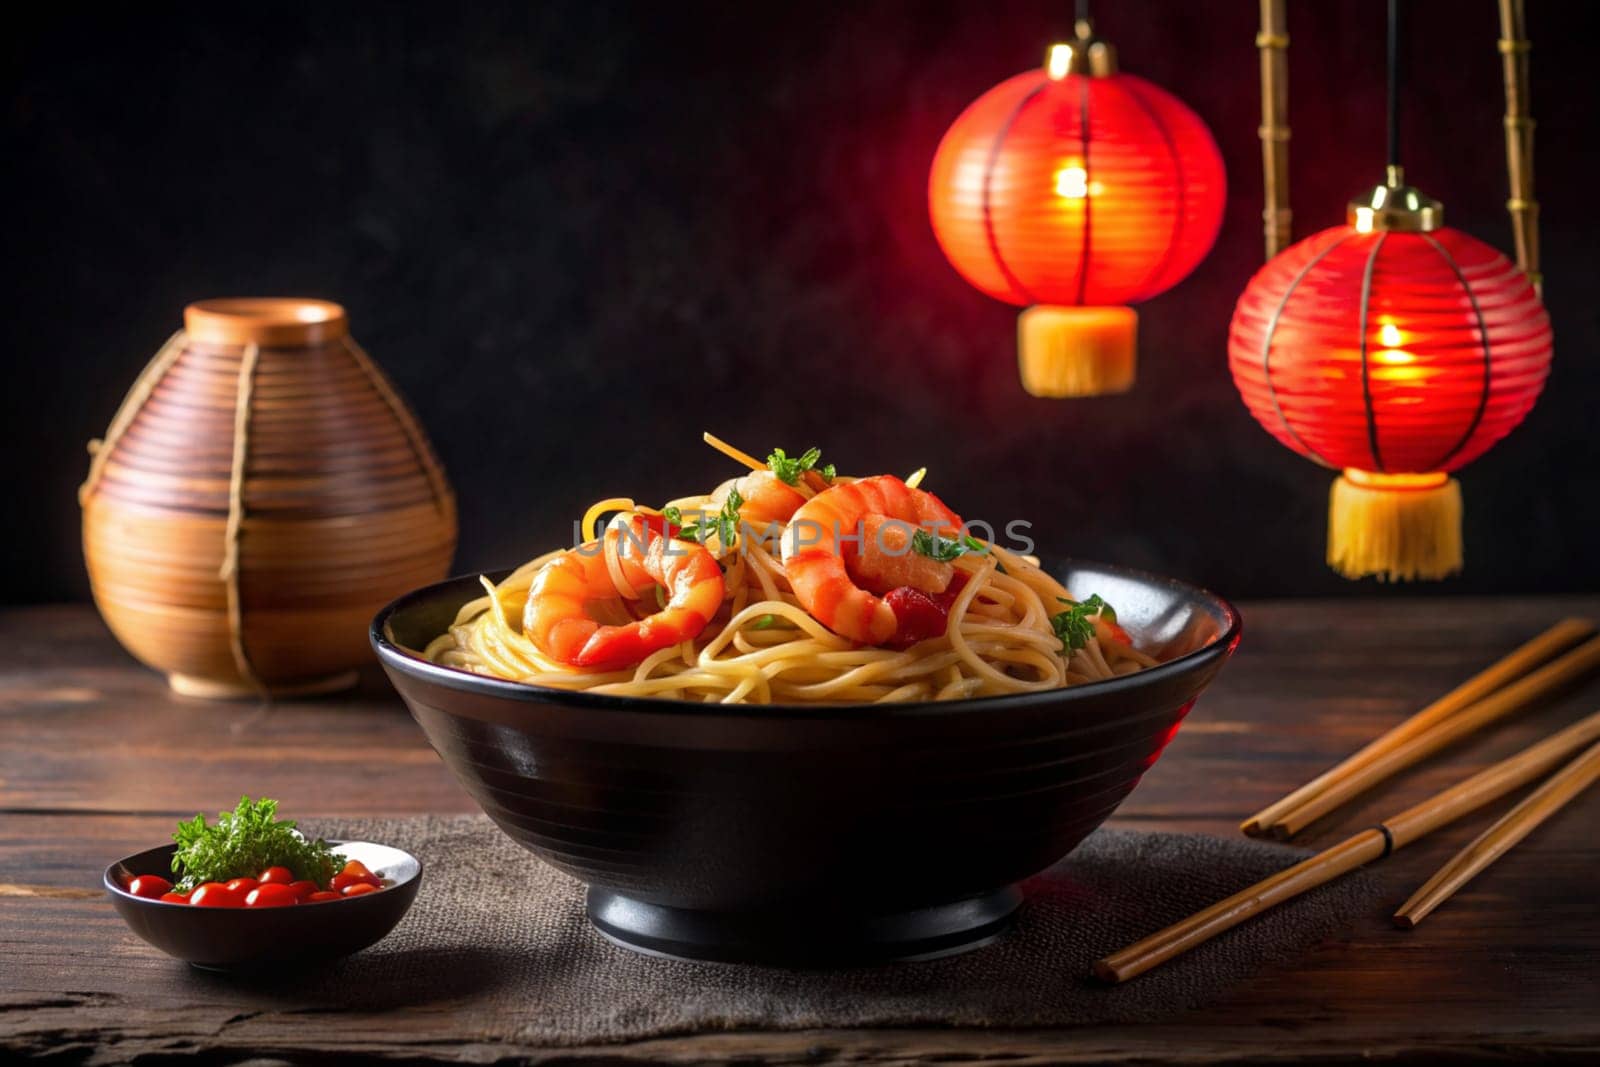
x,y
1396,832
731,452
1523,208
811,480
1273,45
1513,698
1500,838
1558,638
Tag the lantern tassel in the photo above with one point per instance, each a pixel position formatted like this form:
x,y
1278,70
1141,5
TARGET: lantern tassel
x,y
1397,527
1077,351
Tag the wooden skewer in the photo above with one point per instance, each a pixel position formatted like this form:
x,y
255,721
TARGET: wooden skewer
x,y
1500,838
1556,639
1397,832
1513,698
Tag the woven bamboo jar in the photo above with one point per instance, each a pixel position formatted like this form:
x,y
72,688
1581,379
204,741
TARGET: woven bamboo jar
x,y
260,494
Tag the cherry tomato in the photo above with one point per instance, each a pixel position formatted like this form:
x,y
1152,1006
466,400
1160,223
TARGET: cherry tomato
x,y
919,615
355,867
276,876
359,889
301,889
149,886
270,895
216,895
320,895
947,599
342,881
175,898
1116,631
243,885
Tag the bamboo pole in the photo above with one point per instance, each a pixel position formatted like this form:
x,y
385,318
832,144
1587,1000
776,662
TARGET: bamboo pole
x,y
1273,45
1523,208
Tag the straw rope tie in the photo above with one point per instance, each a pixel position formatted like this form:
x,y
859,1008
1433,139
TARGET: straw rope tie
x,y
415,438
100,449
234,530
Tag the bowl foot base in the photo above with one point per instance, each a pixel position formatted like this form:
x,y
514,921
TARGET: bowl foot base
x,y
210,689
800,940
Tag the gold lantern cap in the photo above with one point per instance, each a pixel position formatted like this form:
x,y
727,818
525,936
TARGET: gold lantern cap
x,y
1396,207
1084,54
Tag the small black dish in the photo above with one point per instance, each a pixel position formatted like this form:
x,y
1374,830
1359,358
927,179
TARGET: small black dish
x,y
243,939
809,835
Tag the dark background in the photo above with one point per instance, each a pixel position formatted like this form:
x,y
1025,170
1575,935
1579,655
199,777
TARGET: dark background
x,y
578,234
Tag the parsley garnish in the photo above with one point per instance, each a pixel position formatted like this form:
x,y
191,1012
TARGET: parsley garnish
x,y
945,549
1075,626
790,469
245,842
725,524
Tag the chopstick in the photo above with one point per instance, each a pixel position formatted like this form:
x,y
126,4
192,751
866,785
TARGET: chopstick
x,y
1368,845
1497,705
1556,639
1500,838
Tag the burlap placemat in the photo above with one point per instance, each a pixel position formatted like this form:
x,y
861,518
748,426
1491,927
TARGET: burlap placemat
x,y
504,937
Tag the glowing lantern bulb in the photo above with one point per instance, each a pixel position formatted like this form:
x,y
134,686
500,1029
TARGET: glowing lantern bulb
x,y
1072,190
1072,183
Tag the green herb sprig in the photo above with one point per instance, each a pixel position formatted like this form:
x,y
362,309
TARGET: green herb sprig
x,y
945,549
725,523
245,842
790,468
1075,626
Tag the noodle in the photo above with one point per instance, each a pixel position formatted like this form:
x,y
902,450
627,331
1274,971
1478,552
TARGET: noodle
x,y
764,647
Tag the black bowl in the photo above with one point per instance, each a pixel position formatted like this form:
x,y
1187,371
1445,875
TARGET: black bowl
x,y
804,835
240,939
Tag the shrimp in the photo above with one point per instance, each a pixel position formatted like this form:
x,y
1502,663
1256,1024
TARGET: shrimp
x,y
768,499
885,560
555,621
769,503
815,562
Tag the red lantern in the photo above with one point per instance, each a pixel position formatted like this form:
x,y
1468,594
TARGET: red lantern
x,y
1071,190
1397,350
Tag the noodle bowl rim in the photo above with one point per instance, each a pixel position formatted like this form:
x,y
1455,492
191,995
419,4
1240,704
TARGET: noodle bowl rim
x,y
410,661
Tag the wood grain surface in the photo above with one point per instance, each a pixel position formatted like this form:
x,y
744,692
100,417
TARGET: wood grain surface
x,y
97,757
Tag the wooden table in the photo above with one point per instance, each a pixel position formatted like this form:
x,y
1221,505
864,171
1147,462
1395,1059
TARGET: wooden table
x,y
97,759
